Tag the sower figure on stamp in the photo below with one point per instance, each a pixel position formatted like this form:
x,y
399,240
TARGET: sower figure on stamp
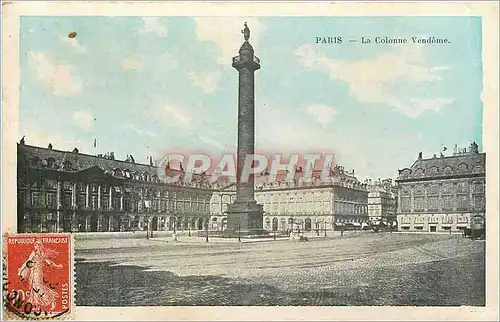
x,y
40,293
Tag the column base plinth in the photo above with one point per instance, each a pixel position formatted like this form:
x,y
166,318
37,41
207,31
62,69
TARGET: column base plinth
x,y
245,218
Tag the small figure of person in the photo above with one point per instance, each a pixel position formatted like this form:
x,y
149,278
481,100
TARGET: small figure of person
x,y
41,292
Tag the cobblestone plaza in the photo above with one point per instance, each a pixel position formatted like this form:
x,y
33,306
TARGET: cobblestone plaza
x,y
359,268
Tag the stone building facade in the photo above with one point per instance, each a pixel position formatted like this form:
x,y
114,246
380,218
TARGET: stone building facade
x,y
60,191
305,205
381,200
441,194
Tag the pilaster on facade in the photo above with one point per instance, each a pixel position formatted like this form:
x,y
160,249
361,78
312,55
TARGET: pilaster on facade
x,y
87,196
110,196
99,196
73,196
59,195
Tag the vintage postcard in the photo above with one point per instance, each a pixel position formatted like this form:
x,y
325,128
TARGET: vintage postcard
x,y
250,161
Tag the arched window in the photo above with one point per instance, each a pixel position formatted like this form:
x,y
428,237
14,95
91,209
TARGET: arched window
x,y
462,168
448,171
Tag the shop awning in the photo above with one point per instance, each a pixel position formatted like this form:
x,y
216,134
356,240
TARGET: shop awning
x,y
418,225
461,225
357,224
405,225
339,224
446,225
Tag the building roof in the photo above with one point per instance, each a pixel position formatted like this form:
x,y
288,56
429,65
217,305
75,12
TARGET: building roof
x,y
75,162
467,163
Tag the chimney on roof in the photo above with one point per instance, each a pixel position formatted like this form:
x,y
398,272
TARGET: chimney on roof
x,y
22,142
474,148
150,160
132,159
75,150
50,146
111,155
420,155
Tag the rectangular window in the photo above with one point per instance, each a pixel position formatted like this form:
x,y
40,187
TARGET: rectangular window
x,y
51,200
447,188
105,202
463,187
67,200
479,202
432,203
81,200
405,204
433,189
419,203
126,204
478,187
447,202
116,203
51,184
463,202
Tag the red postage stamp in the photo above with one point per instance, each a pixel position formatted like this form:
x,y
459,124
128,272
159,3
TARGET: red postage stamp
x,y
38,276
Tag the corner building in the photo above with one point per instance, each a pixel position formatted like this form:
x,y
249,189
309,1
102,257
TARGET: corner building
x,y
442,194
60,191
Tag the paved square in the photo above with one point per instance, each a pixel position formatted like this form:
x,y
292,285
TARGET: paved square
x,y
356,269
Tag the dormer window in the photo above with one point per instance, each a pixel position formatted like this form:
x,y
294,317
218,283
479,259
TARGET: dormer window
x,y
127,175
35,161
67,165
51,162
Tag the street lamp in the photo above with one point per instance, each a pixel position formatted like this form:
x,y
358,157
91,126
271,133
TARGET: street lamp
x,y
324,226
206,230
239,233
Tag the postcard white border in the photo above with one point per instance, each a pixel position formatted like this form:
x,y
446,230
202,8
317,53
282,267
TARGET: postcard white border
x,y
489,13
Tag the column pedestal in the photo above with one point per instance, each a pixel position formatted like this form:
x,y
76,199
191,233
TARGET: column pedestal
x,y
244,219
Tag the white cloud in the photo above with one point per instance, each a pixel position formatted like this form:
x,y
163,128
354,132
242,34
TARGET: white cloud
x,y
208,82
209,140
59,77
130,64
323,113
375,80
178,115
152,25
141,132
225,32
73,43
83,119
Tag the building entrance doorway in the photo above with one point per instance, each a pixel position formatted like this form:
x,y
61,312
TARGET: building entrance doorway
x,y
433,229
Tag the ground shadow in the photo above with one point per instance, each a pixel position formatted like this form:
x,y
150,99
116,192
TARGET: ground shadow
x,y
450,282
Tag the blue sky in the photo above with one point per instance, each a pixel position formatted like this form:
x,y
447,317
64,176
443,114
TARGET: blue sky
x,y
145,86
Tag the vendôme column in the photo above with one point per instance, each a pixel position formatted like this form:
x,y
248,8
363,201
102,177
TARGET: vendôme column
x,y
244,216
